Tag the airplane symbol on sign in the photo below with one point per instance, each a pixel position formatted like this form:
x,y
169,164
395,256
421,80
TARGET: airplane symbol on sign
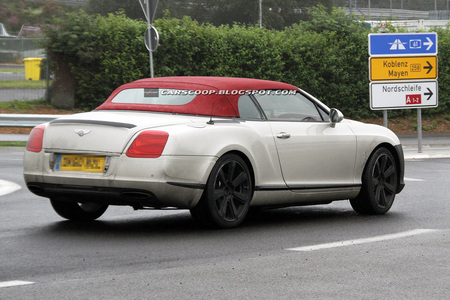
x,y
397,45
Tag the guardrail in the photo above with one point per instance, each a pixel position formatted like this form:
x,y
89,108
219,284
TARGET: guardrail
x,y
25,120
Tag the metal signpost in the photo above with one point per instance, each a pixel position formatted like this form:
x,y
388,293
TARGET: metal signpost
x,y
151,36
403,70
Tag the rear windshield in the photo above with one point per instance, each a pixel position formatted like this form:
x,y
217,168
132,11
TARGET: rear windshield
x,y
154,96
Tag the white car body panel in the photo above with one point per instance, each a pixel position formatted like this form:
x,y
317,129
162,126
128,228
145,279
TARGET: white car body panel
x,y
102,137
334,148
370,136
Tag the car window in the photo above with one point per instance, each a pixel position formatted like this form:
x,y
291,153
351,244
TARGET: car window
x,y
154,96
248,109
288,107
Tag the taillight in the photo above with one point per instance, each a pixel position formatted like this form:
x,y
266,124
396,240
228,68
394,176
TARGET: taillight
x,y
149,143
35,140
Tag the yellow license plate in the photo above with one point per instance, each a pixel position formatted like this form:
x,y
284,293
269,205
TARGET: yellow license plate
x,y
83,163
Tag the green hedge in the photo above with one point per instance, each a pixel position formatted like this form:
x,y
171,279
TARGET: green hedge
x,y
326,56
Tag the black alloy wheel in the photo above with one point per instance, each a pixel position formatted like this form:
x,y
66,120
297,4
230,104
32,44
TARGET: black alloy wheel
x,y
228,193
379,184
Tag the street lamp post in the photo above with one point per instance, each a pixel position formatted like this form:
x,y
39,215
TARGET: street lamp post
x,y
391,7
260,13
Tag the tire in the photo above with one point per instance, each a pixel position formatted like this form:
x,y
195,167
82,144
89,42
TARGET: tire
x,y
379,184
227,195
71,210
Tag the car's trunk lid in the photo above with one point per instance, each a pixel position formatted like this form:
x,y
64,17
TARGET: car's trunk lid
x,y
101,131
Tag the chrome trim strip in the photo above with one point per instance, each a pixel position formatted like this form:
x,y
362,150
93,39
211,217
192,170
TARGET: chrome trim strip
x,y
93,122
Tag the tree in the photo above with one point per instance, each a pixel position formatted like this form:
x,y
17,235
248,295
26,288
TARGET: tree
x,y
14,13
69,43
131,8
93,55
277,14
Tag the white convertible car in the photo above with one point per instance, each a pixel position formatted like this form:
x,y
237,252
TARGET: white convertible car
x,y
215,146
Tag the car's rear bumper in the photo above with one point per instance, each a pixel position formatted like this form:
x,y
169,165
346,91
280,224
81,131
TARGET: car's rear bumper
x,y
136,198
173,181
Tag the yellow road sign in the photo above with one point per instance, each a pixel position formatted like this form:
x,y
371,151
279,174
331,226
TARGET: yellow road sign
x,y
403,68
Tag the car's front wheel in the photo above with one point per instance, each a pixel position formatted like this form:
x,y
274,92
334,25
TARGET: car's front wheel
x,y
379,184
228,193
75,211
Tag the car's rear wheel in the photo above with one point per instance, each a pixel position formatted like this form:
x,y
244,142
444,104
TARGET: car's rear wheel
x,y
379,184
228,193
71,210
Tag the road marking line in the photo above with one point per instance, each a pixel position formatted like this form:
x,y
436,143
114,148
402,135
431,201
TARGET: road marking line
x,y
14,283
374,239
413,179
7,187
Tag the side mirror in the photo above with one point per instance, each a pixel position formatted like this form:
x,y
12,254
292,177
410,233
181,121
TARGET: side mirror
x,y
335,117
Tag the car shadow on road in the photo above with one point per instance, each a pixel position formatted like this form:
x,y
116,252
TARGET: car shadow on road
x,y
304,218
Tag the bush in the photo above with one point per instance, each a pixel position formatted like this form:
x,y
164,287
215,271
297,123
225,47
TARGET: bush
x,y
188,48
443,70
122,57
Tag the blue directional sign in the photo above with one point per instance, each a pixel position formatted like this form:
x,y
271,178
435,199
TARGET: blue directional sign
x,y
384,44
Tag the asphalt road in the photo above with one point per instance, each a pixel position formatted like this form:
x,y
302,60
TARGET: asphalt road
x,y
20,94
316,252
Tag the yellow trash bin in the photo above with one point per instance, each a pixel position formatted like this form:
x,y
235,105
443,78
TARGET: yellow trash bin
x,y
32,68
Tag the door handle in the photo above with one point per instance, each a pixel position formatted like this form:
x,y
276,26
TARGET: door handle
x,y
283,135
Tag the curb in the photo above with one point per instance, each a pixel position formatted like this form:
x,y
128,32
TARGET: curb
x,y
426,154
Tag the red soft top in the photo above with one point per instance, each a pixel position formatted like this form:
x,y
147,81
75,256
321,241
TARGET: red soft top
x,y
221,102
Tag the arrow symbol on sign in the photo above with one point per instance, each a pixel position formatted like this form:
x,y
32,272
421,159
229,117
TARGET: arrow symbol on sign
x,y
429,67
429,43
429,94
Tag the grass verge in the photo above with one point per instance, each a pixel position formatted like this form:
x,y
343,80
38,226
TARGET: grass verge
x,y
18,107
12,70
23,84
12,144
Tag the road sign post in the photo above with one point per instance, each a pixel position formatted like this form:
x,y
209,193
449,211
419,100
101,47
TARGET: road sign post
x,y
403,70
151,37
